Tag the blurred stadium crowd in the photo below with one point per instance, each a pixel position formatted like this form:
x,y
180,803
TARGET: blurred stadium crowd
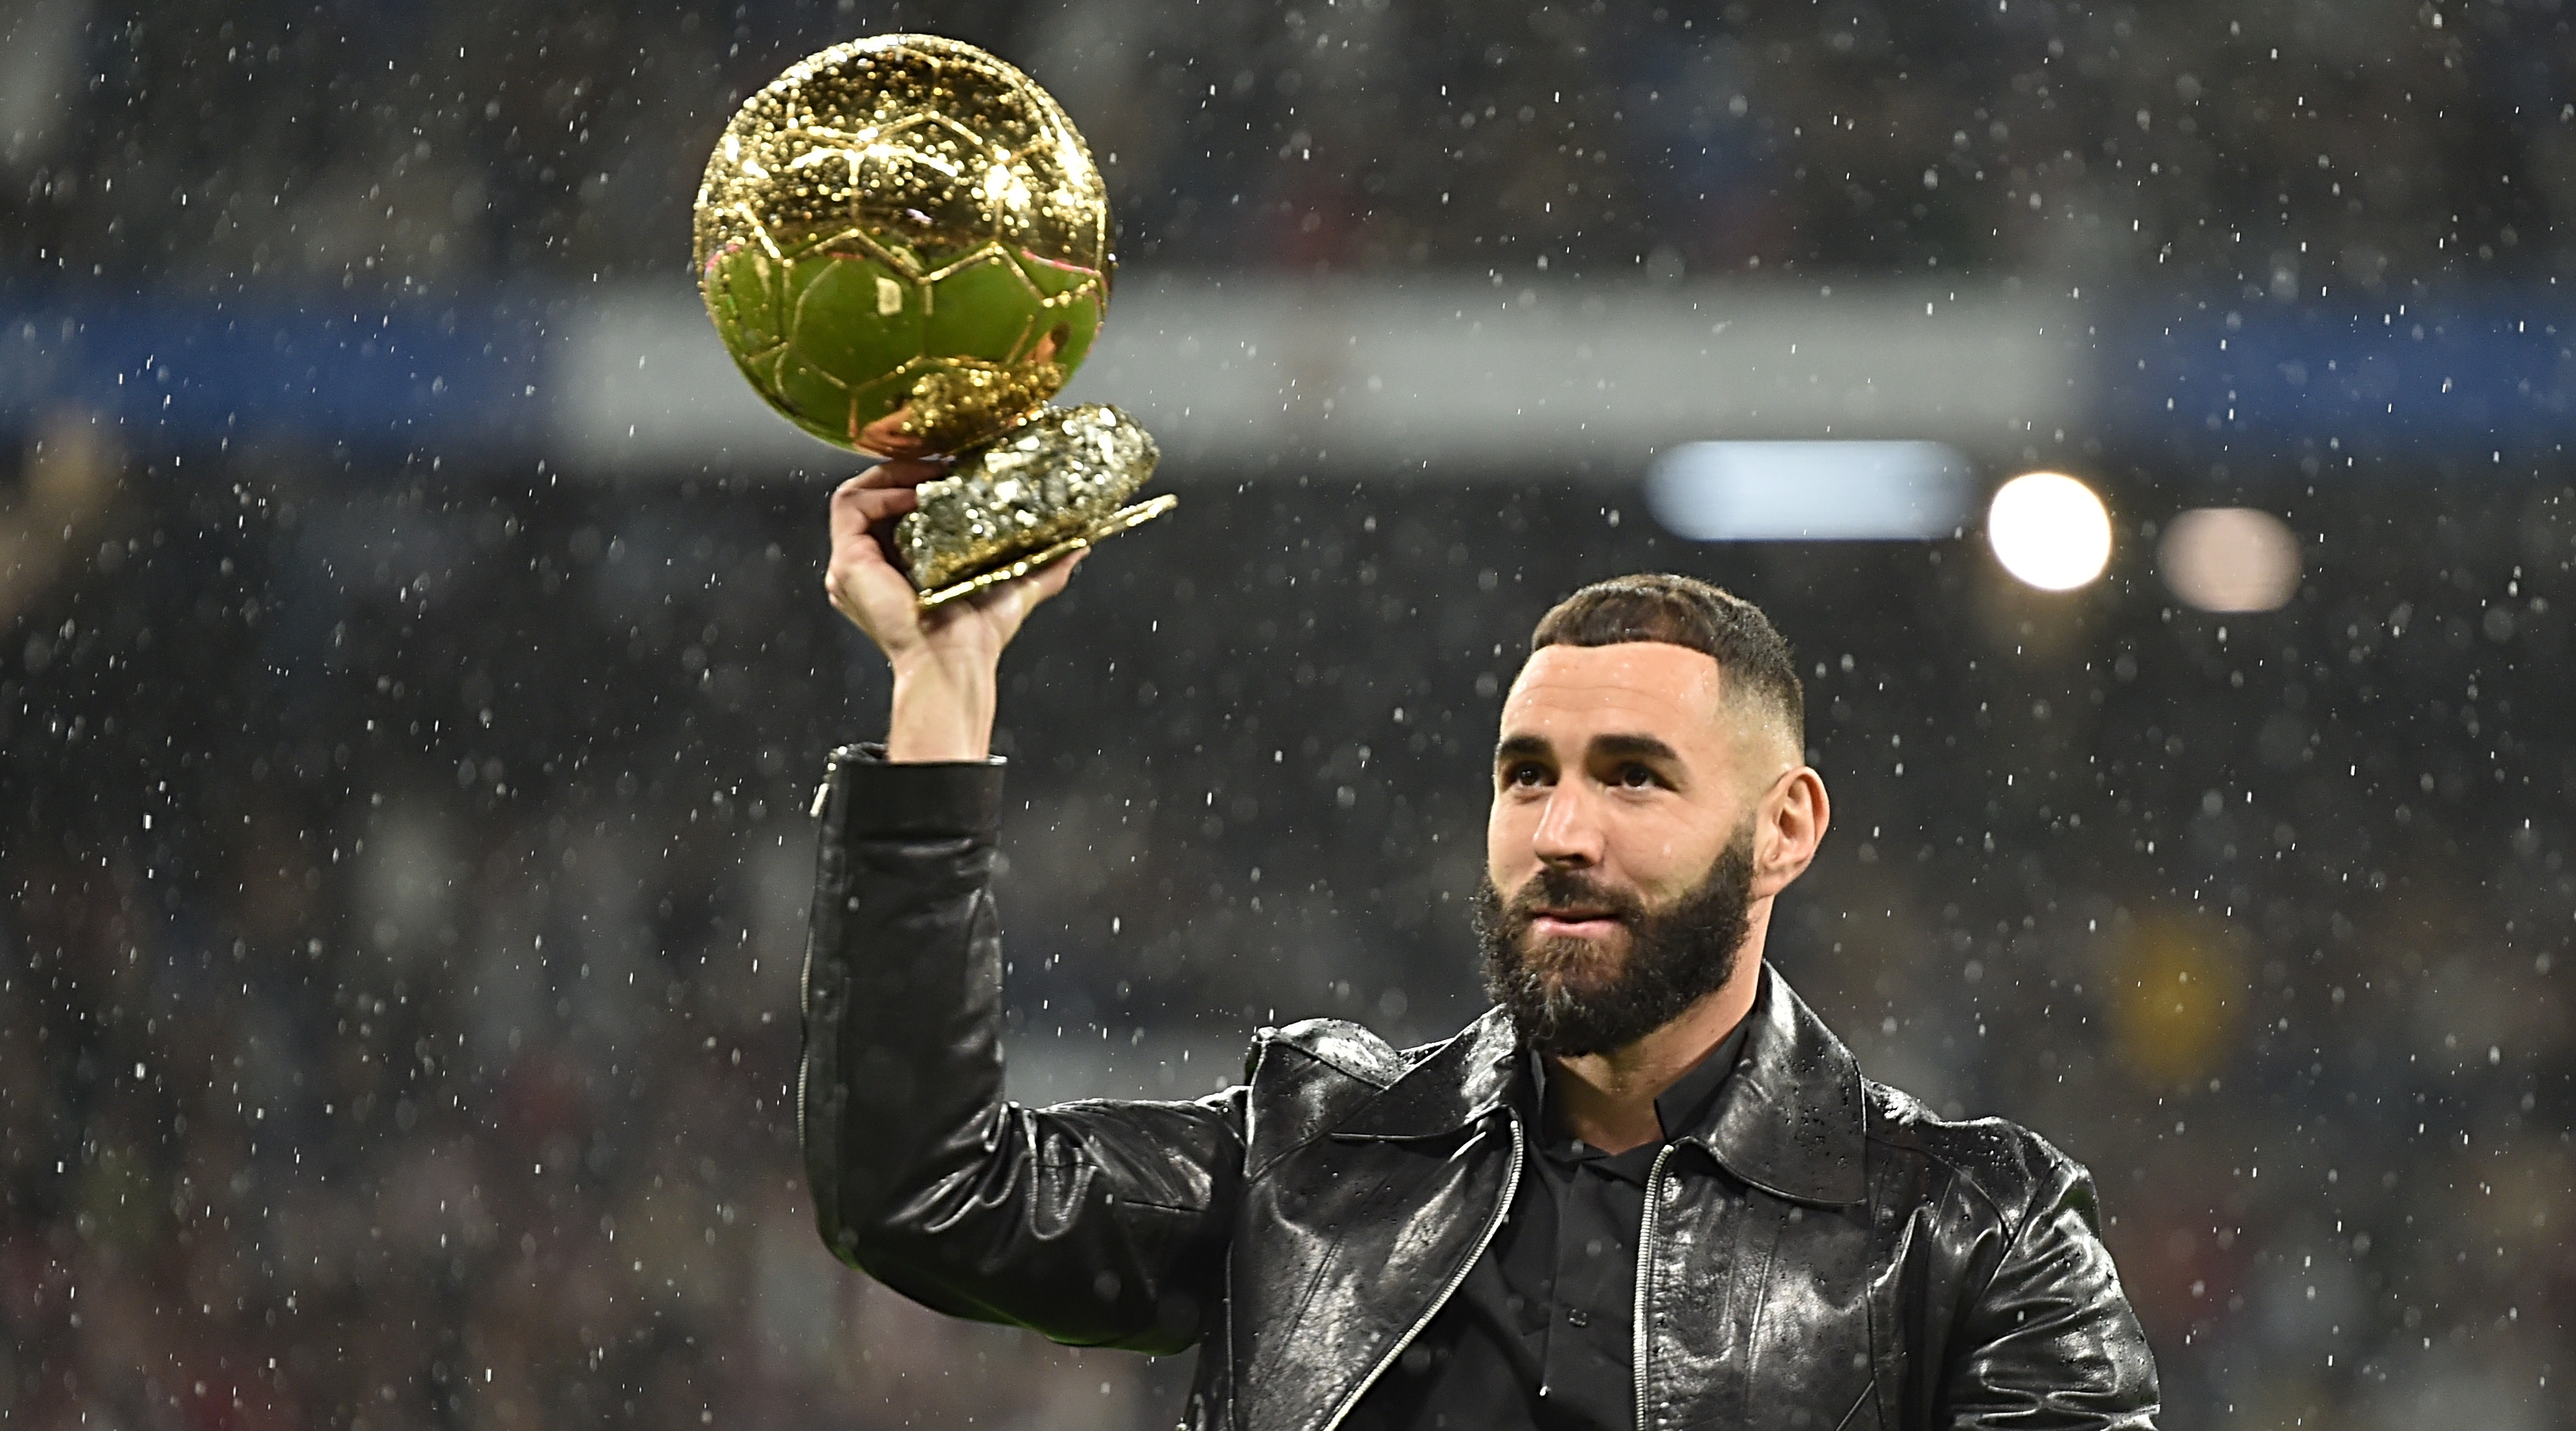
x,y
405,900
404,861
2295,144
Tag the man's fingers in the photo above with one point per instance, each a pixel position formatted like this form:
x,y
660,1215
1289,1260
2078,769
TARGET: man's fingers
x,y
865,582
1050,580
857,519
861,573
1019,596
858,510
848,522
885,504
901,472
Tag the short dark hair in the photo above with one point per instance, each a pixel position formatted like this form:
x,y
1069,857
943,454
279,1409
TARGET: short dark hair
x,y
1685,611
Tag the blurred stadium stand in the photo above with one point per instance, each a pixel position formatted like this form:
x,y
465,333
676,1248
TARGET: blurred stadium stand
x,y
1377,375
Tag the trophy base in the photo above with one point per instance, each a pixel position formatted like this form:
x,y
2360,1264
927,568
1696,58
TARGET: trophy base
x,y
1109,526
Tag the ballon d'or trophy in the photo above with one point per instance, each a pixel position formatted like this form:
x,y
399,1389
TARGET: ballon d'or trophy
x,y
905,244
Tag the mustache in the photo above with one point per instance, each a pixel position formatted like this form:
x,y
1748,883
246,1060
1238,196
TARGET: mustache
x,y
1553,888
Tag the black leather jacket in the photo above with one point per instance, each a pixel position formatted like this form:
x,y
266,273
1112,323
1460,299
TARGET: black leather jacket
x,y
1820,1252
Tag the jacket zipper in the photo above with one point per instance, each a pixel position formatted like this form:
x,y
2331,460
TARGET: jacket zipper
x,y
805,975
1646,1276
1511,1187
823,792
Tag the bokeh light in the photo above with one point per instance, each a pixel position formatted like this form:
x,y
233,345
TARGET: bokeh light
x,y
2178,985
2049,530
2230,559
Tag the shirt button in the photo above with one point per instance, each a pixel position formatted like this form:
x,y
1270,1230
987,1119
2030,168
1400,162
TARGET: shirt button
x,y
1576,1317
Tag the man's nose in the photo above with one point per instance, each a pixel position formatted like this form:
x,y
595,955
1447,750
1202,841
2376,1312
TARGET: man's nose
x,y
1568,833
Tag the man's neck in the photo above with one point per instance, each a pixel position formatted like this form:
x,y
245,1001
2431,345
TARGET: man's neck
x,y
1608,1099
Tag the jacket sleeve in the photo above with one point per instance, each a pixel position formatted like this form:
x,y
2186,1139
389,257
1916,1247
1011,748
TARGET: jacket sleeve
x,y
2051,1344
1095,1223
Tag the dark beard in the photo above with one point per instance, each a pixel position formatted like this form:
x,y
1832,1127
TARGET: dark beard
x,y
1675,956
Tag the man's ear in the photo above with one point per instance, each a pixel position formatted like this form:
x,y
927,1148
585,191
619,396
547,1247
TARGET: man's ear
x,y
1788,825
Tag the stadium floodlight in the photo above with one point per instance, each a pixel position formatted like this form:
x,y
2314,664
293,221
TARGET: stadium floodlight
x,y
2230,559
2049,530
1811,491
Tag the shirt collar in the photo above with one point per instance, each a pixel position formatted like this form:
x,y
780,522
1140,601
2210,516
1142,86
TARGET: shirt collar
x,y
1678,1108
1790,1117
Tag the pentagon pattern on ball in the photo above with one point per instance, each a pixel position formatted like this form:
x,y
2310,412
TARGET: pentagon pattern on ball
x,y
904,243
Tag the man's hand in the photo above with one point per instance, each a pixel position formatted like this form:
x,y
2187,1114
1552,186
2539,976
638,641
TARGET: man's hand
x,y
945,659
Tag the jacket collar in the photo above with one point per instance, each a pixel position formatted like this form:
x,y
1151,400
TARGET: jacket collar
x,y
1461,1082
1788,1120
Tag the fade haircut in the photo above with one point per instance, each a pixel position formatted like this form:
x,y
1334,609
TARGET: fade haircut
x,y
1754,664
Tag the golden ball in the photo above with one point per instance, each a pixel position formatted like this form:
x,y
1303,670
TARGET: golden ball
x,y
905,245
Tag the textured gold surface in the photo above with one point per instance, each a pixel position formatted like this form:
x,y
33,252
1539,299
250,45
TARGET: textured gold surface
x,y
954,408
1055,478
1110,526
905,245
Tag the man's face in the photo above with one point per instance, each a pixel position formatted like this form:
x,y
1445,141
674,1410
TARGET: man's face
x,y
1567,997
1620,782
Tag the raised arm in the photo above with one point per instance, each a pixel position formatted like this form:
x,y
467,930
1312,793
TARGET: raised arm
x,y
946,660
1094,1223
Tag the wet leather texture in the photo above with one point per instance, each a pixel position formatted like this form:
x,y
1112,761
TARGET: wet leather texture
x,y
1825,1253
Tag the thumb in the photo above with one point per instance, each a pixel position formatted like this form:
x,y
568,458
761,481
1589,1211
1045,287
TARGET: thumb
x,y
1052,579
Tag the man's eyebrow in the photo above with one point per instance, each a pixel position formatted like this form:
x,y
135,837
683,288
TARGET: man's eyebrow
x,y
1634,747
1522,747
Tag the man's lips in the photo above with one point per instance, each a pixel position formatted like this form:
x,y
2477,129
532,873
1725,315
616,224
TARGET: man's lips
x,y
1577,923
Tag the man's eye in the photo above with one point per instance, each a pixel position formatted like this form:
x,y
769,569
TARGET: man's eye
x,y
1637,777
1523,775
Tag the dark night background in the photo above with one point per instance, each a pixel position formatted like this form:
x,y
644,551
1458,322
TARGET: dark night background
x,y
402,826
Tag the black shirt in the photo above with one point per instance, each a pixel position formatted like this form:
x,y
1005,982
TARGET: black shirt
x,y
1541,1333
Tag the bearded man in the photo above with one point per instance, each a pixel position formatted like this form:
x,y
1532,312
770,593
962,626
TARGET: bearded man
x,y
1649,1189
